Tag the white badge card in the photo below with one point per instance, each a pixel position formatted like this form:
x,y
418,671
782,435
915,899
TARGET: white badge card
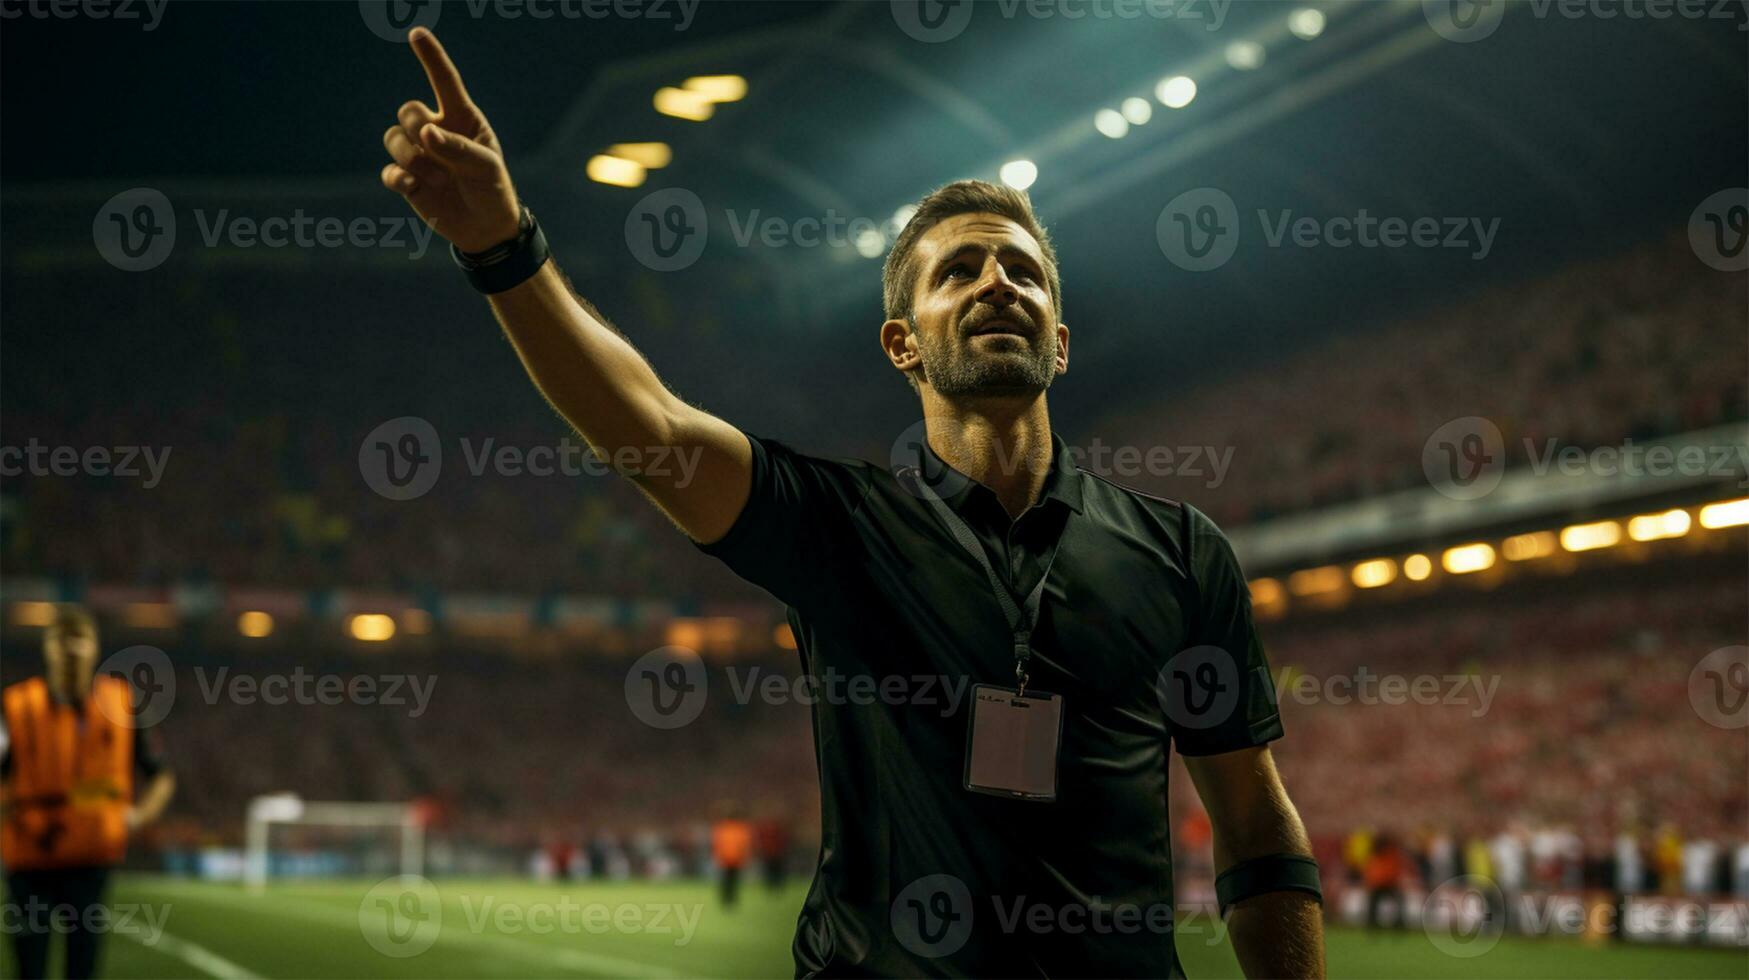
x,y
1011,749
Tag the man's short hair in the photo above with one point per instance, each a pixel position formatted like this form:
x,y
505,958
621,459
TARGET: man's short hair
x,y
899,278
72,619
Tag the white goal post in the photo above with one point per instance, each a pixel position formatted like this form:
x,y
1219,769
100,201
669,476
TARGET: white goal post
x,y
265,812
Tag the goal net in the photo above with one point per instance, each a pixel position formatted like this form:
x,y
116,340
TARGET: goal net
x,y
288,837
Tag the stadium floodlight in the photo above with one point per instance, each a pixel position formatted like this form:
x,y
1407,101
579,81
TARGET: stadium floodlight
x,y
1468,558
1111,124
1137,111
1672,523
287,809
1374,573
1306,23
1726,513
1590,537
1176,92
1245,55
1019,174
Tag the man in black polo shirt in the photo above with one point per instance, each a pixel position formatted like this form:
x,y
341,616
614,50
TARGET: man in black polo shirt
x,y
1018,827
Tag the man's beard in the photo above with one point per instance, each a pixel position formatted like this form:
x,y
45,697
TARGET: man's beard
x,y
954,367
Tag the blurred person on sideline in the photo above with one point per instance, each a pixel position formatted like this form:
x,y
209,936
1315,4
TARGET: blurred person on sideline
x,y
71,759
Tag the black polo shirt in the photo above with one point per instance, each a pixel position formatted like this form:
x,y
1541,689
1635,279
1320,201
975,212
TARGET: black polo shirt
x,y
894,620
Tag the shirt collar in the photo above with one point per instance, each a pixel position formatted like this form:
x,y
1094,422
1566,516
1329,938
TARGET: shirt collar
x,y
1062,483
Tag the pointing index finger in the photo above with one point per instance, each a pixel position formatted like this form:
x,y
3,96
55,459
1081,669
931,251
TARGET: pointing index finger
x,y
445,80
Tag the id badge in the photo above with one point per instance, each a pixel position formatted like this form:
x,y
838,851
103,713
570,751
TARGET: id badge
x,y
1011,745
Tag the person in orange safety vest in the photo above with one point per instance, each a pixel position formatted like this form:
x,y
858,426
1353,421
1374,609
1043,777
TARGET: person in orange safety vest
x,y
70,756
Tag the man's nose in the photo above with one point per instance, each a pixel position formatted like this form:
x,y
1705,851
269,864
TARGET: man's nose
x,y
997,289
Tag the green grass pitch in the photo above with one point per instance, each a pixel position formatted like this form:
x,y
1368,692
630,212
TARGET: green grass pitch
x,y
514,928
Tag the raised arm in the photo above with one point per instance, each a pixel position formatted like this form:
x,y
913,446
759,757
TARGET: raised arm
x,y
450,168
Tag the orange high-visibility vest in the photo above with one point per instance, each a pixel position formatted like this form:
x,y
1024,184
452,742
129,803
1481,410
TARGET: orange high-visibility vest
x,y
69,789
731,843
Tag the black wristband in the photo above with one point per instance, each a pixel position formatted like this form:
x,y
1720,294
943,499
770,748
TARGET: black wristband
x,y
1271,873
507,265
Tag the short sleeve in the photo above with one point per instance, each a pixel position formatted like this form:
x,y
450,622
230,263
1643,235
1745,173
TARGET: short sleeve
x,y
1240,700
796,523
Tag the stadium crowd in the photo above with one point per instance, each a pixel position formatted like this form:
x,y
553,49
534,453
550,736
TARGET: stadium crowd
x,y
262,485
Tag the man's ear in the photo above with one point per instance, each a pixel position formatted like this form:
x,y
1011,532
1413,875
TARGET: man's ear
x,y
900,346
1062,348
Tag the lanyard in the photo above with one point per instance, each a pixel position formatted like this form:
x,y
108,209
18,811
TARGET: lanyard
x,y
1022,616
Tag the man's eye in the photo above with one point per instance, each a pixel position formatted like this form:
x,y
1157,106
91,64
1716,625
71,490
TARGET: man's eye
x,y
1022,273
955,269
